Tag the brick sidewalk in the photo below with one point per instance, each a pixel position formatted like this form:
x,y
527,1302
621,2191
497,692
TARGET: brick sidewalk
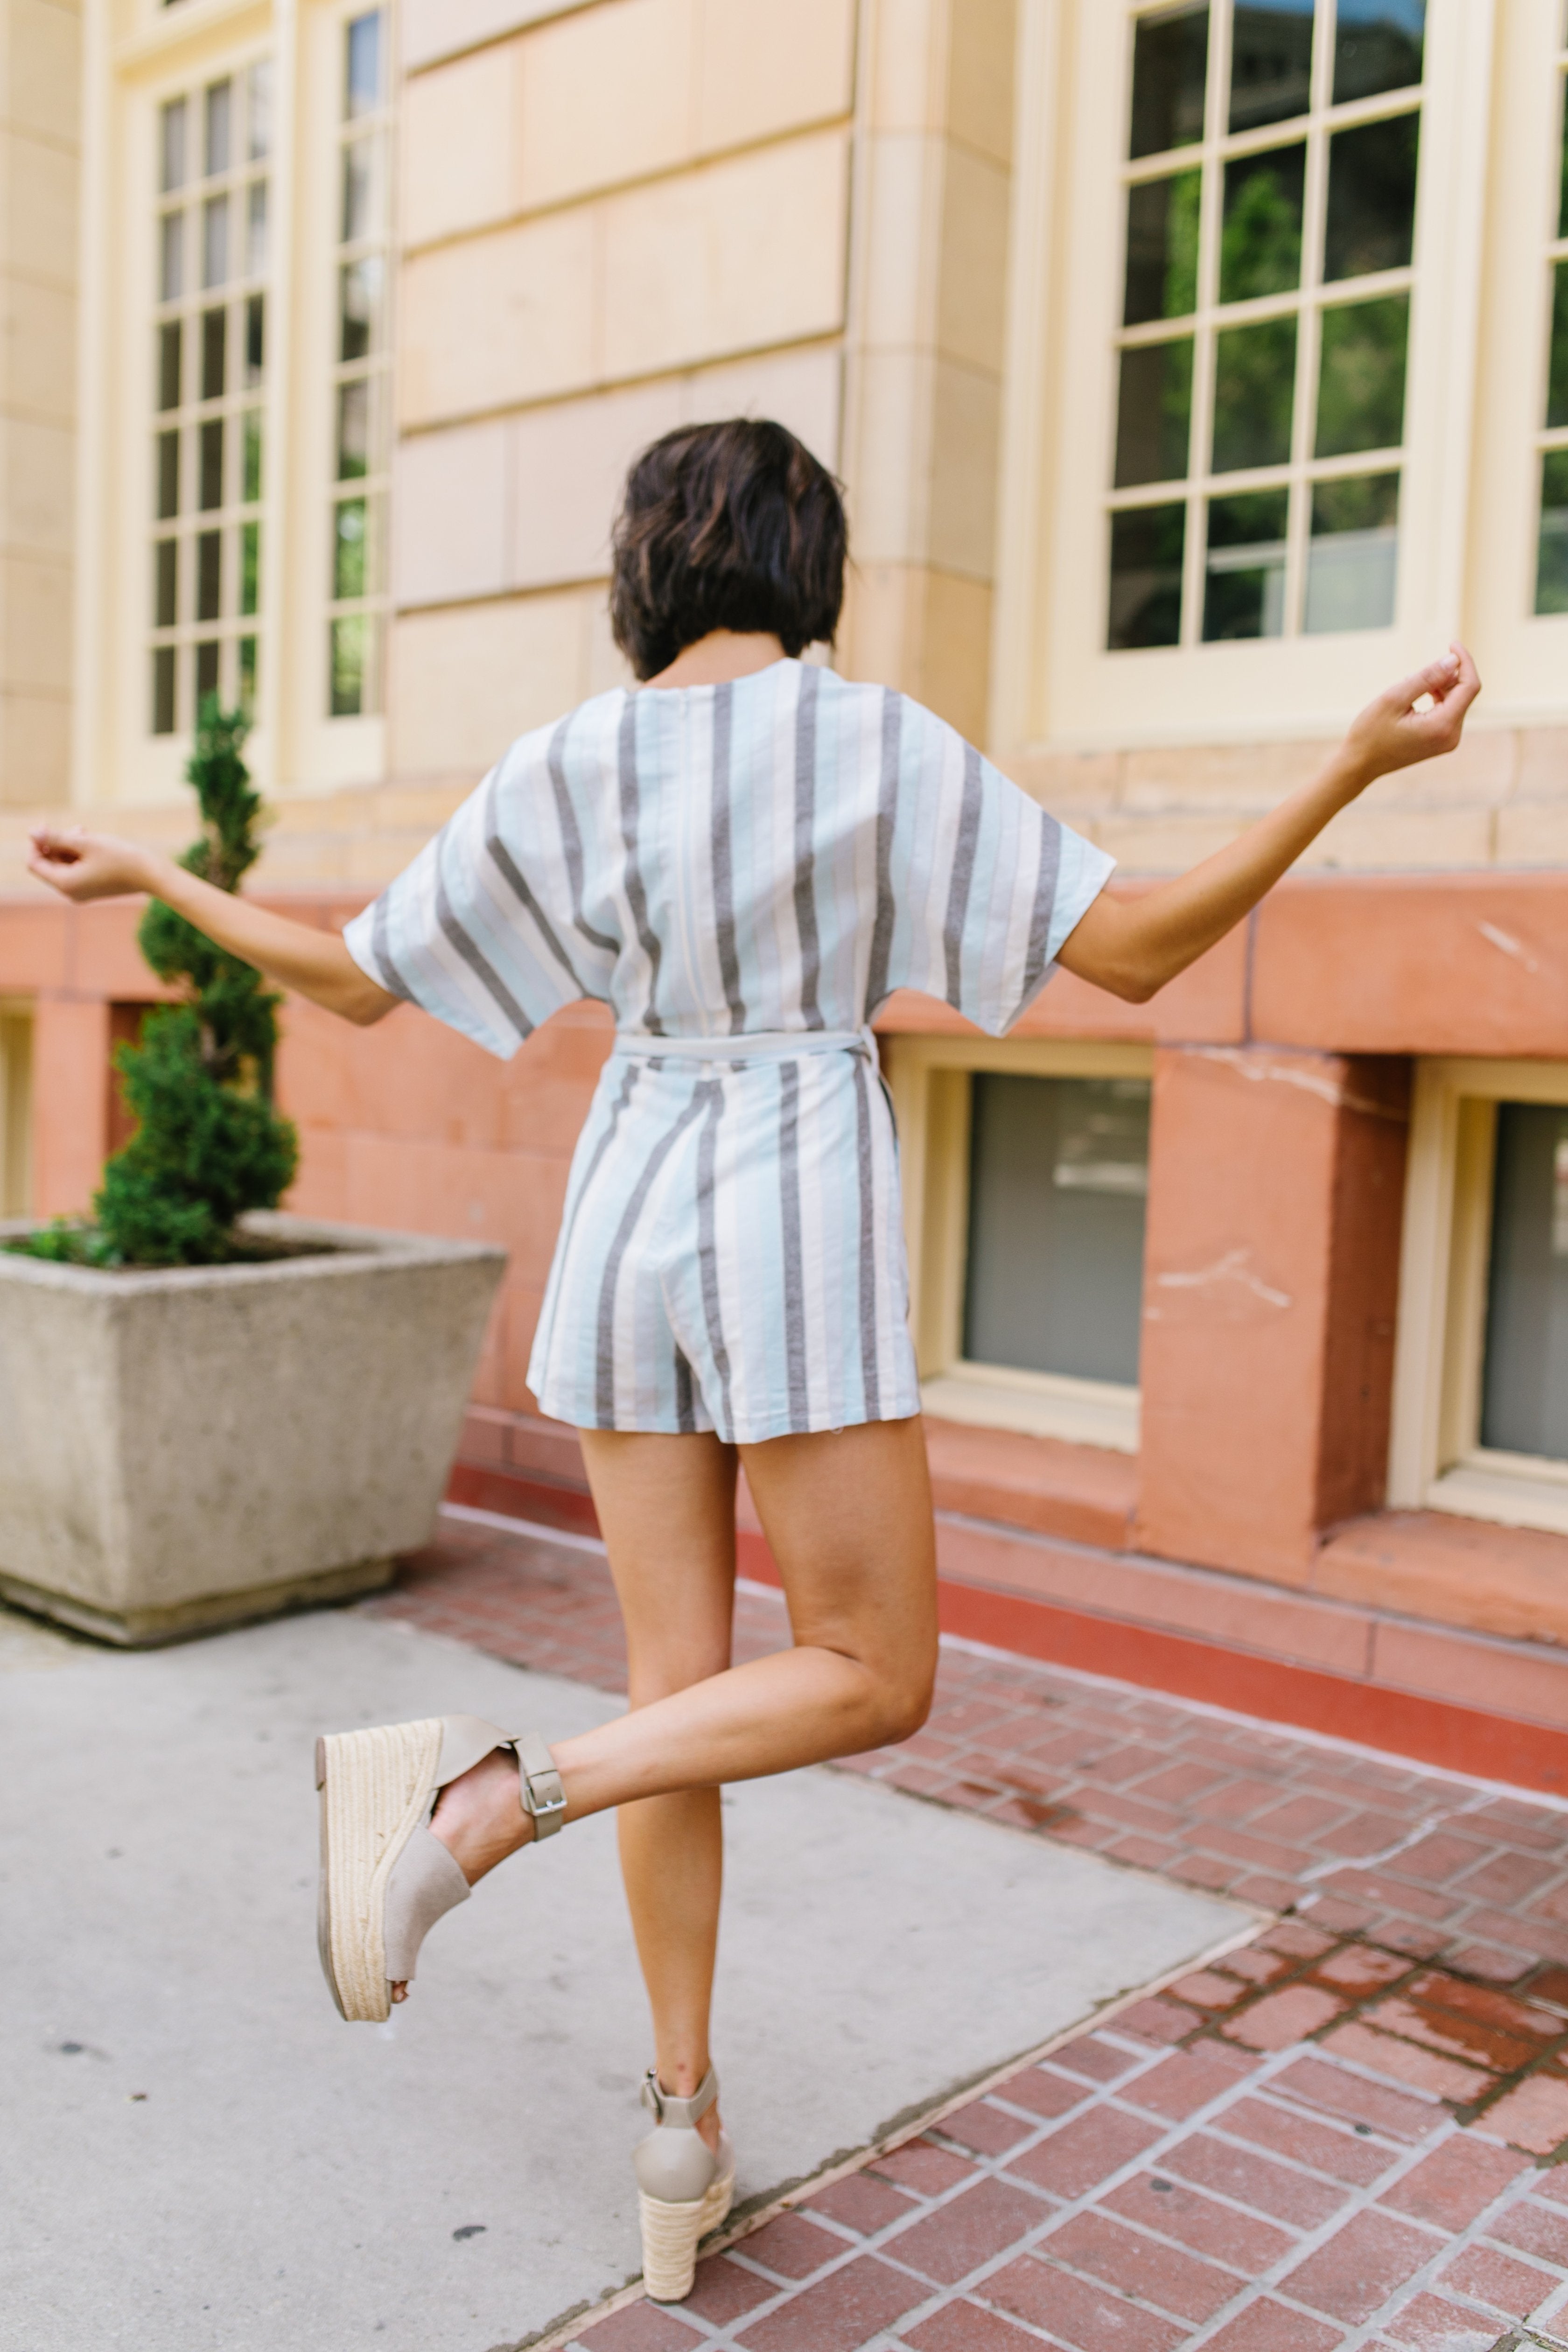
x,y
1324,2142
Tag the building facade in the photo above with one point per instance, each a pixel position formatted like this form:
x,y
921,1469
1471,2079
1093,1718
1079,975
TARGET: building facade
x,y
1192,369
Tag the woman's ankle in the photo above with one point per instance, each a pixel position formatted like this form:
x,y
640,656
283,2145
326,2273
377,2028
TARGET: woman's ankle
x,y
480,1818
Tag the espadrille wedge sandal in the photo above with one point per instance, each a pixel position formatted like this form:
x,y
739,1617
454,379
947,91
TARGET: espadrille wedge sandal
x,y
684,2189
386,1877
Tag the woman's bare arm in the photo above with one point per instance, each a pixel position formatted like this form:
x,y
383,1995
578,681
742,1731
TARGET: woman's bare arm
x,y
82,865
1133,946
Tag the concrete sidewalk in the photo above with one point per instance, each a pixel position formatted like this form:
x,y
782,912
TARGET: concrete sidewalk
x,y
200,2156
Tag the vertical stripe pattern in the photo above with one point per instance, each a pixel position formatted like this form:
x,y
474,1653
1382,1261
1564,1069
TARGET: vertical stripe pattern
x,y
781,854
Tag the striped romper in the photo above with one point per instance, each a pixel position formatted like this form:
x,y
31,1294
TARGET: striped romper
x,y
744,873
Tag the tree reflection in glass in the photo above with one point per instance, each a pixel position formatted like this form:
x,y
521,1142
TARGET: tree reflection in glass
x,y
1378,45
1147,546
1354,552
1161,249
1361,377
1260,236
1170,71
1153,413
1551,556
1255,386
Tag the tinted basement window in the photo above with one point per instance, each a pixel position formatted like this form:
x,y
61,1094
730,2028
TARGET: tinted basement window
x,y
1524,1394
1058,1180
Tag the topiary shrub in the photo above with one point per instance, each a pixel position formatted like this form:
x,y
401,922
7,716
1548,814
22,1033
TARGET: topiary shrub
x,y
209,1143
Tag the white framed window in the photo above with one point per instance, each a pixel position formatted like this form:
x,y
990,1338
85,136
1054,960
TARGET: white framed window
x,y
1481,1407
1026,1167
360,377
15,1109
1243,328
211,324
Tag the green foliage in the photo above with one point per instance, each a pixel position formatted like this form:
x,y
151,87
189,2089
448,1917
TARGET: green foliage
x,y
209,1143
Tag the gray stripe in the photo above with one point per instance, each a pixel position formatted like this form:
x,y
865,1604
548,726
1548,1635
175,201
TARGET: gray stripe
x,y
604,1338
636,898
521,892
478,961
707,1247
572,841
963,877
870,1374
876,990
574,1206
392,980
793,1251
1035,963
685,1410
723,879
804,853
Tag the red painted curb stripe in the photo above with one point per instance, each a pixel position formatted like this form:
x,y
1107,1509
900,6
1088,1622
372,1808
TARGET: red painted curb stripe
x,y
1402,1723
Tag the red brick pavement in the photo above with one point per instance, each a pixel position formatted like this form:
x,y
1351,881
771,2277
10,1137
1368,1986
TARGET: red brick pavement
x,y
1323,2142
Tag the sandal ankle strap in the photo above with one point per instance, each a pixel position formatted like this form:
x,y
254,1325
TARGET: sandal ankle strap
x,y
666,2109
538,1784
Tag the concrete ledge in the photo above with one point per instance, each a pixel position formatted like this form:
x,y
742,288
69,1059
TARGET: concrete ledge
x,y
153,1628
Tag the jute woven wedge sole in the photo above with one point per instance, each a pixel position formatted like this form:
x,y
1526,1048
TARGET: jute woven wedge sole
x,y
684,2188
385,1879
672,2233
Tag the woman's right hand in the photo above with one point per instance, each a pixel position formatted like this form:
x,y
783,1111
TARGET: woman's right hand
x,y
82,865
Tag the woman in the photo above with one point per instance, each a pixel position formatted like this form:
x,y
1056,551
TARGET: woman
x,y
744,856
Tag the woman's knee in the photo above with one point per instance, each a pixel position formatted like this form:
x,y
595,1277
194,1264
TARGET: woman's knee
x,y
903,1701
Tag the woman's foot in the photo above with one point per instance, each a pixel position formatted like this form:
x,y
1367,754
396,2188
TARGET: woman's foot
x,y
480,1821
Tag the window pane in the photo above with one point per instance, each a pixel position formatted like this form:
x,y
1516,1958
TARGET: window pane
x,y
1244,575
247,674
1552,561
171,256
212,464
163,690
1162,248
254,338
206,671
255,230
1270,62
1557,378
363,77
361,204
210,575
353,430
1378,45
1524,1383
349,571
1154,412
252,456
214,348
168,475
166,584
172,146
1170,67
1353,558
1260,240
1562,199
169,345
214,241
220,108
250,567
359,305
1371,197
259,110
1057,1185
350,643
1254,394
1360,379
1146,550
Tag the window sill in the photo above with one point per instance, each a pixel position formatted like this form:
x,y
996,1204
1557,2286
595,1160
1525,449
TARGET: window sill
x,y
1514,1490
1038,1404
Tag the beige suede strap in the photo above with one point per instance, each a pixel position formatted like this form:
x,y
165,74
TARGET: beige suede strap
x,y
666,2109
539,1785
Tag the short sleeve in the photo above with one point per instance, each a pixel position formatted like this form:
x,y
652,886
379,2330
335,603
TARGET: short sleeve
x,y
979,886
469,932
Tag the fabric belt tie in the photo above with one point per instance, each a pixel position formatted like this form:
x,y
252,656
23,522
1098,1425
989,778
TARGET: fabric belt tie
x,y
748,1046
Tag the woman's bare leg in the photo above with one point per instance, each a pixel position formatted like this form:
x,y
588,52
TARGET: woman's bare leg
x,y
849,1517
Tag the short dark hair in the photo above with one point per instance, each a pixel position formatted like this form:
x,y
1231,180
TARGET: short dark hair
x,y
730,526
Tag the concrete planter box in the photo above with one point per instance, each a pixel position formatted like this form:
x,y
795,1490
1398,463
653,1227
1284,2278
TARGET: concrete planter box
x,y
183,1449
